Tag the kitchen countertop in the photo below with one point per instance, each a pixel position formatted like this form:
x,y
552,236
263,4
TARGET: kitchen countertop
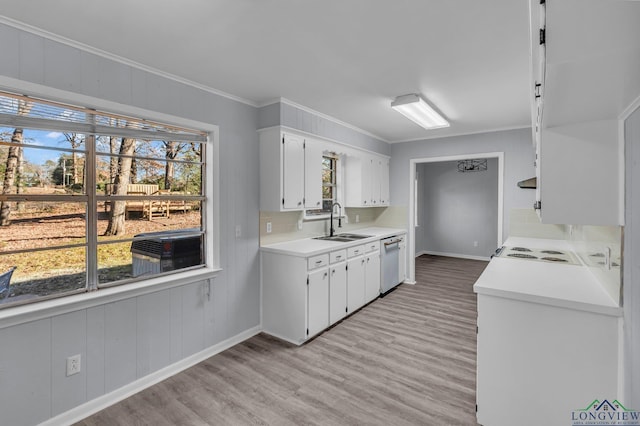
x,y
568,286
310,247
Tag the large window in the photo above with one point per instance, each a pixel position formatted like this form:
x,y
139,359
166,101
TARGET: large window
x,y
90,199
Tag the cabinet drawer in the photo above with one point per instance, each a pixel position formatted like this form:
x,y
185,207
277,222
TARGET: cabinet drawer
x,y
337,256
372,246
317,261
355,251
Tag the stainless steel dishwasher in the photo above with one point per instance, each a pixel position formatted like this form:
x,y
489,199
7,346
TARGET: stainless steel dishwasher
x,y
390,258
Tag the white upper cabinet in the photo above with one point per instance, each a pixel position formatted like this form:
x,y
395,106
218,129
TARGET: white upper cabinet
x,y
292,172
313,174
584,67
592,60
367,181
579,174
383,169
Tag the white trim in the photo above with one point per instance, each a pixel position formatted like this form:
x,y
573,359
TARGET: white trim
x,y
329,118
52,94
621,172
411,234
630,109
91,407
456,255
451,135
621,157
21,314
322,138
95,51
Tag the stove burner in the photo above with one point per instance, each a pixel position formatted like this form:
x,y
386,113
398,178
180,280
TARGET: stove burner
x,y
553,259
551,252
614,264
522,255
519,249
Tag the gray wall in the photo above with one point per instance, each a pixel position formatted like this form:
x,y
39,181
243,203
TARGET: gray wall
x,y
124,340
284,114
457,209
518,163
631,273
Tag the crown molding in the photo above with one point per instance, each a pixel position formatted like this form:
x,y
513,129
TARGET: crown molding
x,y
451,135
99,52
327,117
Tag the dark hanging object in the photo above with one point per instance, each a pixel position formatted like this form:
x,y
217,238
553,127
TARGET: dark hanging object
x,y
472,165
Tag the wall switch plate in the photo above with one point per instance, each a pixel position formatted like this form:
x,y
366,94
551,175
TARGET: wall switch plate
x,y
268,227
357,218
300,225
475,244
74,364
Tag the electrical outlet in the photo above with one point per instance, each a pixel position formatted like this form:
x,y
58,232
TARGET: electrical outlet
x,y
238,231
300,225
74,365
475,244
357,218
268,227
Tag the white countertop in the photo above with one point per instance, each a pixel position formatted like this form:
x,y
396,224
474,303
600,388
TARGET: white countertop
x,y
310,247
568,286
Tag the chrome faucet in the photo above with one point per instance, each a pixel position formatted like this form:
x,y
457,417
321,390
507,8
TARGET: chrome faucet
x,y
331,230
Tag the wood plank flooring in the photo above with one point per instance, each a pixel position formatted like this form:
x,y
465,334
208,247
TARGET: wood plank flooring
x,y
406,359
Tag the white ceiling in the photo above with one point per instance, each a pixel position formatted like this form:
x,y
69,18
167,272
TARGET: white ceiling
x,y
345,59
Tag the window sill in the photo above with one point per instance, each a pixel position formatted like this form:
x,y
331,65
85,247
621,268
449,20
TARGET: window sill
x,y
326,216
52,307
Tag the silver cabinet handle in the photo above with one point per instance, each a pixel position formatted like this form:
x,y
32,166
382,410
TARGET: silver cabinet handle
x,y
318,262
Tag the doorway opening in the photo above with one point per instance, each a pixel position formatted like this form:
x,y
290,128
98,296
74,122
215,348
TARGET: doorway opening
x,y
414,199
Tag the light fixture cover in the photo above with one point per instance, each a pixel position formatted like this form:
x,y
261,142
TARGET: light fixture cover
x,y
417,110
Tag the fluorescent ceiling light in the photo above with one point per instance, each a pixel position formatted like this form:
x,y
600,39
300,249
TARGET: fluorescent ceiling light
x,y
417,110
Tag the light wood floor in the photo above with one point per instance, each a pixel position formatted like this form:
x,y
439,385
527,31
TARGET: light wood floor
x,y
406,359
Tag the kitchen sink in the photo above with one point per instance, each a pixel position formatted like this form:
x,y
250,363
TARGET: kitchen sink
x,y
343,238
334,238
354,236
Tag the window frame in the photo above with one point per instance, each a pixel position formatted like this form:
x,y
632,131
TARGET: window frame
x,y
42,307
318,214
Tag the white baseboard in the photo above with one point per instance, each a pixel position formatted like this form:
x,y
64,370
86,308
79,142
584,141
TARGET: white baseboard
x,y
91,407
461,256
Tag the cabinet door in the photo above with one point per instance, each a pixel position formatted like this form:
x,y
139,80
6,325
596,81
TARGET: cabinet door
x,y
374,178
318,301
292,172
402,260
367,182
372,276
384,182
337,292
355,283
312,175
584,195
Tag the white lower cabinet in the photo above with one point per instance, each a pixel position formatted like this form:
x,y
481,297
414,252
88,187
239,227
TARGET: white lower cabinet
x,y
302,296
538,364
317,301
355,279
372,272
337,286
